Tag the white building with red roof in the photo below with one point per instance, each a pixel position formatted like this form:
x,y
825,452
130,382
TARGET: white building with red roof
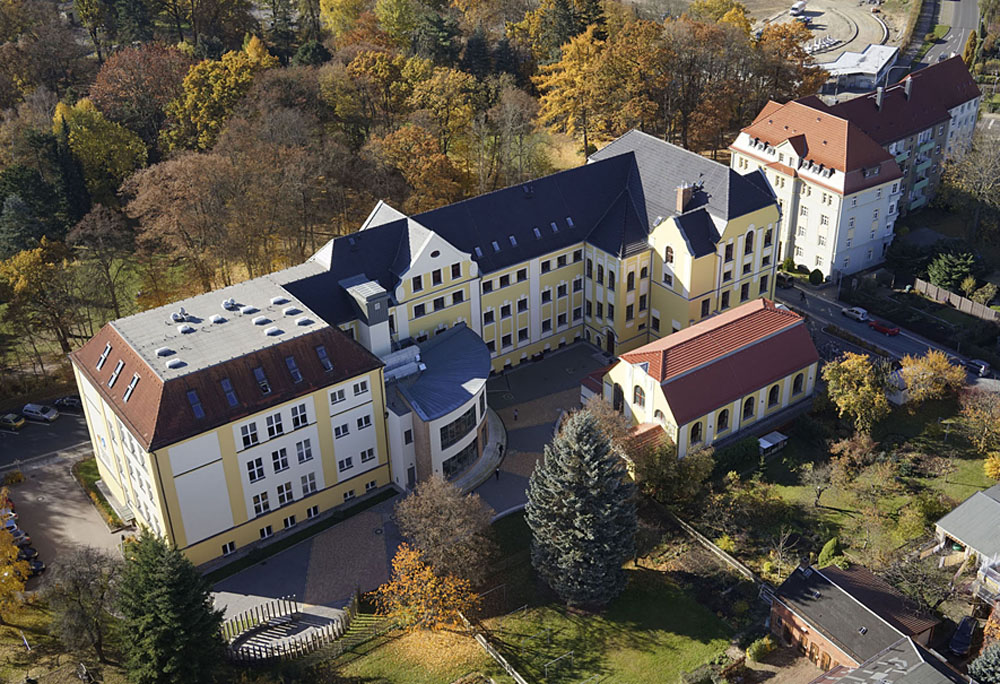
x,y
744,371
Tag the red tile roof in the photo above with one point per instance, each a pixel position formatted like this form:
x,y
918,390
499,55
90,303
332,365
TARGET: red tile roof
x,y
881,598
723,358
595,381
158,413
647,436
826,139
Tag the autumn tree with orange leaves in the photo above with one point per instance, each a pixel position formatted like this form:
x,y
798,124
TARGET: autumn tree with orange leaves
x,y
416,598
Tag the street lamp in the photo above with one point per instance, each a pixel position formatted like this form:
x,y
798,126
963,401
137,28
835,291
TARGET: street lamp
x,y
890,70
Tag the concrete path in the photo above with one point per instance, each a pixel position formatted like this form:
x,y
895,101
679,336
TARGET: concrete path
x,y
487,465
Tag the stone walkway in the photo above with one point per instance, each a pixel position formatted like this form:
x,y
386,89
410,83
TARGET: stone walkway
x,y
486,466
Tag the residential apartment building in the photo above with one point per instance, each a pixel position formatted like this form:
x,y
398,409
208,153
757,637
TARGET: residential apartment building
x,y
228,417
844,173
747,369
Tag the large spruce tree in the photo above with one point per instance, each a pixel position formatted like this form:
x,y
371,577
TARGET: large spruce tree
x,y
581,511
171,628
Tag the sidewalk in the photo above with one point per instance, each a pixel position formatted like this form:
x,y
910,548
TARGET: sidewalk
x,y
486,466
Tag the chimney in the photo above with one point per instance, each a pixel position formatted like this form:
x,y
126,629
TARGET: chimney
x,y
878,97
684,193
907,87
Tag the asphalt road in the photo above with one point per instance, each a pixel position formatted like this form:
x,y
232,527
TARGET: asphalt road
x,y
40,440
963,17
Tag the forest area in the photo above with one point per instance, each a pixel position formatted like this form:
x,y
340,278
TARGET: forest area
x,y
154,149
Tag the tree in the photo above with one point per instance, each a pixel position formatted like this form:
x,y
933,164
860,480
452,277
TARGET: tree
x,y
949,269
451,530
167,613
108,152
568,87
986,668
986,294
992,465
418,598
210,93
969,54
135,85
476,55
19,227
311,53
416,155
857,389
714,10
582,516
104,239
81,592
968,285
546,29
38,285
98,17
830,550
818,476
670,480
981,419
398,18
436,38
13,573
340,16
134,21
447,97
976,176
921,582
931,376
37,210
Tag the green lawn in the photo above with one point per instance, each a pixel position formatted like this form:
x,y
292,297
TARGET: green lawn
x,y
87,474
939,32
650,634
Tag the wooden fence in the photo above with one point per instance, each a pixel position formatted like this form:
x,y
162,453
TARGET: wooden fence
x,y
963,304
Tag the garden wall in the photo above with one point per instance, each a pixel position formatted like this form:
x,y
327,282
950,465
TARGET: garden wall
x,y
963,304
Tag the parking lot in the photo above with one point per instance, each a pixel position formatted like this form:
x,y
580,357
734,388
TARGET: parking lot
x,y
39,440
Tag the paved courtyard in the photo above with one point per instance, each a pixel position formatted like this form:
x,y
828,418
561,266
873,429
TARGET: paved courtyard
x,y
325,570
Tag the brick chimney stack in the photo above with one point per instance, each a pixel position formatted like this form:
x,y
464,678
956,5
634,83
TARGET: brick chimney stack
x,y
907,87
684,193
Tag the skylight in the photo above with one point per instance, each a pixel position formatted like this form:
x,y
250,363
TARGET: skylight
x,y
323,358
555,228
496,246
227,387
293,369
104,355
131,388
114,374
538,233
513,241
265,386
479,252
569,221
195,402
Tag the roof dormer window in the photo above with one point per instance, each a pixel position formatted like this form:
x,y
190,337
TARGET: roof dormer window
x,y
496,246
104,356
196,406
323,358
114,374
265,386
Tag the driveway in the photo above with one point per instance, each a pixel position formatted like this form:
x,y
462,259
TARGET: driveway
x,y
37,441
58,516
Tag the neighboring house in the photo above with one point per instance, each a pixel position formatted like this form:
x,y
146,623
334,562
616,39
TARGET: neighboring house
x,y
975,524
844,617
840,195
748,369
865,69
223,419
904,662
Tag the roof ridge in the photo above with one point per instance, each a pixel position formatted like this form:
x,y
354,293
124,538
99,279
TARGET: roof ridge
x,y
856,600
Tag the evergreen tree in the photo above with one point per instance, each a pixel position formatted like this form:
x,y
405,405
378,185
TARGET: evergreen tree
x,y
476,57
19,227
281,33
505,59
560,24
135,21
590,12
166,609
311,53
435,39
581,511
986,668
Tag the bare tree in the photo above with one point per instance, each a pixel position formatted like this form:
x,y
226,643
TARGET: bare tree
x,y
81,593
452,530
782,550
976,174
818,476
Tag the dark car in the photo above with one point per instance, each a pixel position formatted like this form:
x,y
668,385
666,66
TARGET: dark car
x,y
71,403
27,553
783,280
887,329
961,642
35,567
21,538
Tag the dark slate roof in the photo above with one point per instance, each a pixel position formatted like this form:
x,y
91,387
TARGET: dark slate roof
x,y
880,597
841,618
457,364
975,522
699,231
664,167
903,662
596,197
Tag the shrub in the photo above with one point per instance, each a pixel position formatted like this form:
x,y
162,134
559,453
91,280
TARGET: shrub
x,y
816,277
788,265
986,294
992,465
726,543
738,456
760,648
13,477
803,269
930,38
828,553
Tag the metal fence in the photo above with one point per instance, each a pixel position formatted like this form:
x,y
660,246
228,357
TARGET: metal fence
x,y
963,304
284,608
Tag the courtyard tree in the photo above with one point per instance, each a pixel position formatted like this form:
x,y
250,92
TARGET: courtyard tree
x,y
921,581
582,515
167,614
81,592
986,668
949,269
451,529
818,476
857,389
931,376
670,480
981,419
103,240
417,597
13,573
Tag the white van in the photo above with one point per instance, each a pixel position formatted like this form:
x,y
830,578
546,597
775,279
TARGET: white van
x,y
797,8
39,412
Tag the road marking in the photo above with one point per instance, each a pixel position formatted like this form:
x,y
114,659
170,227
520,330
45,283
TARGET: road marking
x,y
20,463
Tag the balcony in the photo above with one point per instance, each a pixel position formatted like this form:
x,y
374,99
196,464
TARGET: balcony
x,y
902,156
918,202
919,186
923,165
926,147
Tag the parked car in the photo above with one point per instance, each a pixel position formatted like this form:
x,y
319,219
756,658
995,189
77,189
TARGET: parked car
x,y
21,538
9,524
855,312
39,412
68,403
979,367
961,641
783,280
35,568
11,421
27,553
7,514
887,329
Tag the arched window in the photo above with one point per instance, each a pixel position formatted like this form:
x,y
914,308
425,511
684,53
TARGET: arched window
x,y
659,417
668,256
611,280
617,397
590,268
797,384
723,420
644,273
630,282
748,408
600,273
696,433
774,396
639,397
748,243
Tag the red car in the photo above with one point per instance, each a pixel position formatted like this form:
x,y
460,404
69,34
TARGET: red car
x,y
887,329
